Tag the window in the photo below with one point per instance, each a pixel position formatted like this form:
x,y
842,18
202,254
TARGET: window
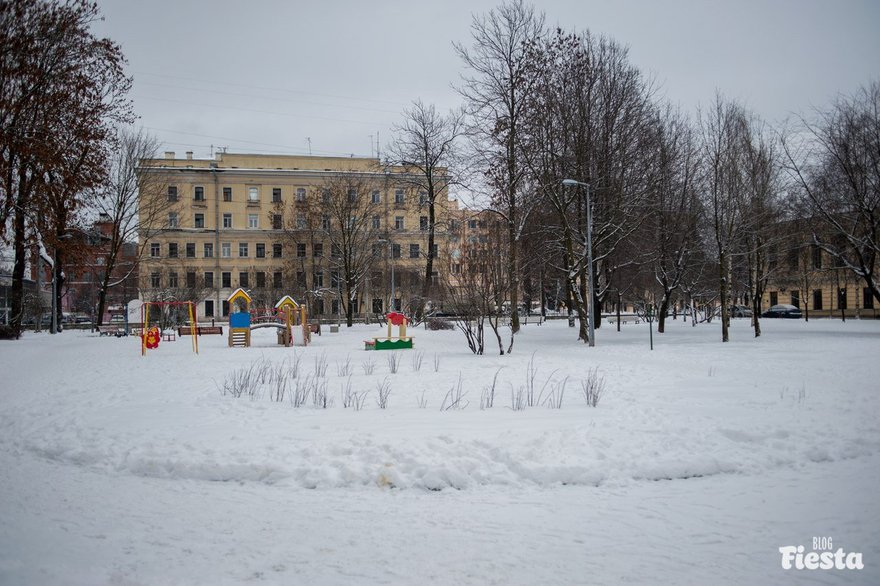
x,y
325,195
190,280
377,305
226,250
423,223
172,280
300,249
399,198
225,308
319,306
376,196
276,251
774,298
377,223
334,251
276,221
301,223
352,195
276,195
318,279
334,279
242,249
227,194
472,224
792,259
841,298
377,250
435,251
155,280
277,280
261,280
199,193
395,251
300,194
209,279
261,250
796,299
172,250
209,308
414,251
301,279
334,306
209,249
172,193
398,222
867,298
317,249
456,268
190,250
154,249
325,223
243,280
172,220
253,221
817,299
226,280
227,220
817,257
423,198
199,221
253,194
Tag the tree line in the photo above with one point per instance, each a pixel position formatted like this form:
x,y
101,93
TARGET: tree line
x,y
684,209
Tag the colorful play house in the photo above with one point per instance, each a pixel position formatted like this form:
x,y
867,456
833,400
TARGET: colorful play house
x,y
401,341
293,314
239,319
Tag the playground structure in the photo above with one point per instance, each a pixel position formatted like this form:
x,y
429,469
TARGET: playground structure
x,y
150,335
293,314
399,342
287,309
239,319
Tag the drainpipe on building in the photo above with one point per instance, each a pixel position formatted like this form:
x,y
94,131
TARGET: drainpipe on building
x,y
218,308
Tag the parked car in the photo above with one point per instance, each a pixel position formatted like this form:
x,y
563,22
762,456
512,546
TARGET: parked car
x,y
740,311
783,310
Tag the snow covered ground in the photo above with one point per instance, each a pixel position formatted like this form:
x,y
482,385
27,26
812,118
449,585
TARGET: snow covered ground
x,y
701,460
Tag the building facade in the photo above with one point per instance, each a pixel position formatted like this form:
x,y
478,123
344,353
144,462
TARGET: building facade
x,y
321,229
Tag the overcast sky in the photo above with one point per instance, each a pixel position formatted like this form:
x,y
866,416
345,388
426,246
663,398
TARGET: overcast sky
x,y
266,76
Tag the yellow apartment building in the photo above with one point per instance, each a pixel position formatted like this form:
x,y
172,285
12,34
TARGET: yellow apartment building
x,y
321,229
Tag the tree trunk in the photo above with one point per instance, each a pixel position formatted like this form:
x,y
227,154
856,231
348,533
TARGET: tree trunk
x,y
17,290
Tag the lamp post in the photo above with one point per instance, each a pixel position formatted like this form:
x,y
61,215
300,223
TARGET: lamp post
x,y
590,286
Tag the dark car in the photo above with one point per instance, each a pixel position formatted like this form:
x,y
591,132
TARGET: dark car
x,y
740,311
783,310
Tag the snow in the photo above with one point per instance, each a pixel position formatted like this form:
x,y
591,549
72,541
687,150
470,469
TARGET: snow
x,y
700,461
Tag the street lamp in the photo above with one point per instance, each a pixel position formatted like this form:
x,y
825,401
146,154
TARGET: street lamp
x,y
573,183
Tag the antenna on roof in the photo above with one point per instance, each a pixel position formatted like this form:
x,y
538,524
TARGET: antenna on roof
x,y
309,140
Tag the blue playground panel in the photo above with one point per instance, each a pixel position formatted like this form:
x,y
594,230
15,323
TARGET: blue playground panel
x,y
239,320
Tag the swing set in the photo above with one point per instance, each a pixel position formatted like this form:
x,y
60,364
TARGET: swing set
x,y
150,336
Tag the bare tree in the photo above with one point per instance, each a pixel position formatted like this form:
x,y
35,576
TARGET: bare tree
x,y
837,165
723,125
135,203
426,143
675,213
496,88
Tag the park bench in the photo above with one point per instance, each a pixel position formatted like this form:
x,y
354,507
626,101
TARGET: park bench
x,y
200,330
110,331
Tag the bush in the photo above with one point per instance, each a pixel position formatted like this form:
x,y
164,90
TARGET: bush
x,y
436,323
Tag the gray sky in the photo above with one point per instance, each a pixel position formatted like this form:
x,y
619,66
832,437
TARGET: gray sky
x,y
263,76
